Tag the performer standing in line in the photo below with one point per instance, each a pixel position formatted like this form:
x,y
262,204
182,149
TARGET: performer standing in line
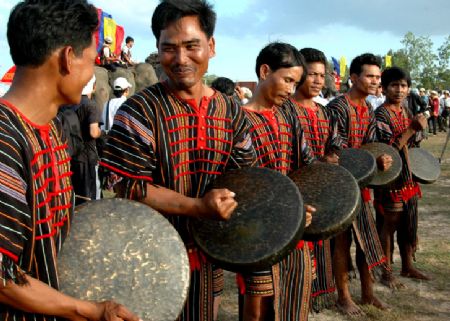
x,y
357,126
396,204
321,135
171,140
282,293
52,44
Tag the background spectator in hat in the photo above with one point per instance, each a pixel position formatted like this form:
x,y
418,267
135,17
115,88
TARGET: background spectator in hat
x,y
121,91
108,58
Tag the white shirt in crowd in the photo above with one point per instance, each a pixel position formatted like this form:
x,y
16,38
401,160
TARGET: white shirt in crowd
x,y
375,101
114,105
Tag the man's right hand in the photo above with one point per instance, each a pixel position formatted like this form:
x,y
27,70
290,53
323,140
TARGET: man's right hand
x,y
113,311
217,204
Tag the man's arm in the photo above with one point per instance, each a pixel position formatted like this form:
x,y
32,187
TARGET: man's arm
x,y
94,130
37,297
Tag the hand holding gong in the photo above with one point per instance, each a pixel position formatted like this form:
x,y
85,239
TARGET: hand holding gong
x,y
384,162
217,204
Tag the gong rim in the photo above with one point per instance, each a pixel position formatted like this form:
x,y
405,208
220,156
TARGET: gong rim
x,y
425,168
383,178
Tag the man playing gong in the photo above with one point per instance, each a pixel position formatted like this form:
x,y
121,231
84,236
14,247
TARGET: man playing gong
x,y
282,293
357,126
52,44
169,141
396,204
321,135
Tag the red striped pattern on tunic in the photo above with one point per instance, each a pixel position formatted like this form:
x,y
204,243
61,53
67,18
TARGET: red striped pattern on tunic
x,y
402,195
356,125
280,145
181,145
36,196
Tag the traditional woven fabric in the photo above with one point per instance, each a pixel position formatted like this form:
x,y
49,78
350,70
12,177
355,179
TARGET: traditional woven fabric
x,y
161,139
280,145
401,195
357,126
35,202
321,135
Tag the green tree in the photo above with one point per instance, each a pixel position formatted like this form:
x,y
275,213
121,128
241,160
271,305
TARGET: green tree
x,y
421,60
444,64
209,78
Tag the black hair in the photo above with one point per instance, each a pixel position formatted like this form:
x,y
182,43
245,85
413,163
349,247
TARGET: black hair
x,y
119,92
129,39
279,55
394,74
364,59
313,55
224,85
36,28
169,11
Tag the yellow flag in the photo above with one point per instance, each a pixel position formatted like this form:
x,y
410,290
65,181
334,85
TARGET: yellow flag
x,y
388,60
109,30
343,66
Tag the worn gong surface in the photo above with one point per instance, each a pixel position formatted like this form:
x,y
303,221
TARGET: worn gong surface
x,y
334,192
126,251
382,178
424,166
266,225
359,162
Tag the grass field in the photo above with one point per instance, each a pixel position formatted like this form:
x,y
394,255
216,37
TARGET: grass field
x,y
420,300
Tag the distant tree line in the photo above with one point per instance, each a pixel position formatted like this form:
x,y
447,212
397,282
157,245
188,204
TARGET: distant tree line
x,y
428,69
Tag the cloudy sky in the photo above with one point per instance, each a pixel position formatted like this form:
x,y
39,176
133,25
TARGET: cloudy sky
x,y
339,28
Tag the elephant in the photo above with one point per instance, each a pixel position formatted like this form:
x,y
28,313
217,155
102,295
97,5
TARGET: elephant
x,y
139,76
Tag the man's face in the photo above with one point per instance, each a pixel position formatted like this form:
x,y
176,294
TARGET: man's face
x,y
368,81
397,91
315,80
281,84
82,70
184,52
130,44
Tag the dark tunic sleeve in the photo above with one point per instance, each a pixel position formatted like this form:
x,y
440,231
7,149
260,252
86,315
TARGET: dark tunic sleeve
x,y
15,214
130,149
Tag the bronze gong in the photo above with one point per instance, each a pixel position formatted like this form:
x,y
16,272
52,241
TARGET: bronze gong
x,y
267,224
124,250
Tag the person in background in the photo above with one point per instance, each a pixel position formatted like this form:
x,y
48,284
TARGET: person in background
x,y
84,164
376,100
52,43
434,112
108,58
121,88
125,55
443,113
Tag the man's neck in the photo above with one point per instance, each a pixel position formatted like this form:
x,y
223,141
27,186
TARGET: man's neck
x,y
33,96
357,96
196,92
303,100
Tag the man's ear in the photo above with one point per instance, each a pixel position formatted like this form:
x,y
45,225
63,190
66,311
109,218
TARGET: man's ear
x,y
354,78
212,47
66,56
264,71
